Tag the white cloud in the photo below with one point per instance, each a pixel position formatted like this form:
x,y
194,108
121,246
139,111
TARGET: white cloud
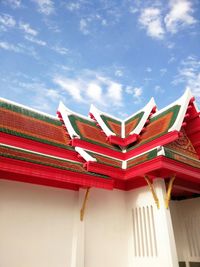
x,y
90,87
72,87
104,22
163,71
42,95
60,50
53,94
158,89
148,69
170,45
10,47
6,21
115,92
150,19
180,15
52,25
94,92
45,6
84,26
19,48
13,3
73,6
159,20
118,73
28,50
133,10
35,40
189,75
136,92
27,28
123,114
129,90
171,60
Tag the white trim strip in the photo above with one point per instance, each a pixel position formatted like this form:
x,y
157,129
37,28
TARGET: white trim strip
x,y
84,154
65,113
124,164
96,113
160,151
147,110
183,102
38,153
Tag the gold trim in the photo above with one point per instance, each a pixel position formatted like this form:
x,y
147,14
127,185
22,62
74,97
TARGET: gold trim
x,y
152,191
169,191
82,211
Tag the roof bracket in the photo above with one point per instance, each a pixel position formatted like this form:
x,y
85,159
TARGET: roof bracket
x,y
82,211
155,197
169,191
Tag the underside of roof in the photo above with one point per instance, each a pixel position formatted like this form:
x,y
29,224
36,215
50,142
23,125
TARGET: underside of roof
x,y
73,151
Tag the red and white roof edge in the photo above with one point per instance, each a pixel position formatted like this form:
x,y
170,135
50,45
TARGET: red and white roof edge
x,y
97,115
84,154
65,112
183,102
28,108
147,110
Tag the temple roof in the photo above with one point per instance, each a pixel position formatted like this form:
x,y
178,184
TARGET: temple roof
x,y
73,151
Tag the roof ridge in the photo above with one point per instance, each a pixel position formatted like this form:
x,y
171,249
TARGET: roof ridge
x,y
27,108
71,112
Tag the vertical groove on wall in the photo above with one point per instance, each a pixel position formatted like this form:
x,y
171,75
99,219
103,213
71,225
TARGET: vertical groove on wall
x,y
150,232
142,233
144,237
154,233
146,243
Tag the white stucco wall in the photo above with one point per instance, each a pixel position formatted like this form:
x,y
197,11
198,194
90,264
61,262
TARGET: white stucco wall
x,y
186,223
40,226
106,229
35,225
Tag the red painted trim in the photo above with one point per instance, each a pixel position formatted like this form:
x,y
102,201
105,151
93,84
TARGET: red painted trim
x,y
99,149
164,167
162,140
38,174
119,184
35,146
110,171
116,140
40,181
187,177
186,172
143,168
135,183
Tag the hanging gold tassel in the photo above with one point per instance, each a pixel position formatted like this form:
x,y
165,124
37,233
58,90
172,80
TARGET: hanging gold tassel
x,y
152,191
82,211
169,191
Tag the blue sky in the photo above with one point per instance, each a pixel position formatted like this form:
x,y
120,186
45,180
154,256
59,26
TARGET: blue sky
x,y
114,54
